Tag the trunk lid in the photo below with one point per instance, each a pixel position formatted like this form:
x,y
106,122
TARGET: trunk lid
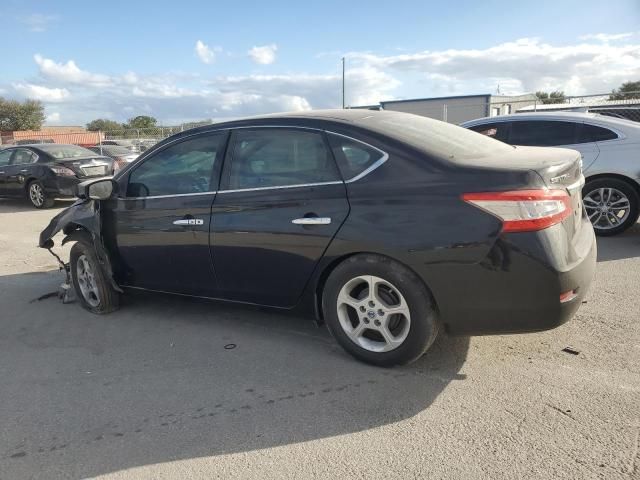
x,y
95,166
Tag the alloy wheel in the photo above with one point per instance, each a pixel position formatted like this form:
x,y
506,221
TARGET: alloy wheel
x,y
373,313
36,194
87,281
607,208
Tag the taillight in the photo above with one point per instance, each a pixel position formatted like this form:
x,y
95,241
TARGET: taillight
x,y
62,171
524,210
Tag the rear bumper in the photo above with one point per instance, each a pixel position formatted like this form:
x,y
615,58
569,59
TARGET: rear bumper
x,y
517,288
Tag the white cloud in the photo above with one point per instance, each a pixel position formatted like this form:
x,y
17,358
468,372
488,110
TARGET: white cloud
x,y
263,55
53,117
205,53
69,72
39,22
607,37
38,92
523,65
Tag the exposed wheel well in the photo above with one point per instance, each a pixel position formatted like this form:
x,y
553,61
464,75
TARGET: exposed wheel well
x,y
322,280
633,183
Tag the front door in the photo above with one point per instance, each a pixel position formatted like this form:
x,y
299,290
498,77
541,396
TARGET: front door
x,y
281,202
20,168
162,217
5,156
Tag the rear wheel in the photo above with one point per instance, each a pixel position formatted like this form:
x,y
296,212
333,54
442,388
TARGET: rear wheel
x,y
38,196
611,204
379,310
92,287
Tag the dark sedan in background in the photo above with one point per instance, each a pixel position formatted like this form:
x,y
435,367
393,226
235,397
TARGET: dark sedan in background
x,y
121,155
43,172
386,226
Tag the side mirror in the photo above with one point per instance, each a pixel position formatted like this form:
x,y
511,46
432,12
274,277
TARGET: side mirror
x,y
99,189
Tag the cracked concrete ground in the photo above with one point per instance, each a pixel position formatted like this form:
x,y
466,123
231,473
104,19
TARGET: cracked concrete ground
x,y
150,391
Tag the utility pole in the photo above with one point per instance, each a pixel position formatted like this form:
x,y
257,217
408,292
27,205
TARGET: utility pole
x,y
343,83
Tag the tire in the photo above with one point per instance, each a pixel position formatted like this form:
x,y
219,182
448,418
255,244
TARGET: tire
x,y
607,193
38,196
92,287
358,324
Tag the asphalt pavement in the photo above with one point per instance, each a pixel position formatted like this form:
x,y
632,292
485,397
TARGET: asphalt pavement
x,y
169,387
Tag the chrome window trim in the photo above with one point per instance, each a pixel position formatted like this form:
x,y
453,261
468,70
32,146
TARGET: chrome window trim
x,y
364,173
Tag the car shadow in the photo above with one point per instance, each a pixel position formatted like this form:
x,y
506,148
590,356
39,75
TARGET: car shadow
x,y
619,247
168,378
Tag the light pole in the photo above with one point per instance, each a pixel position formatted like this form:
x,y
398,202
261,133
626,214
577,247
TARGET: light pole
x,y
343,83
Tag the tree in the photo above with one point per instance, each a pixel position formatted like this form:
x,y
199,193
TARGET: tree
x,y
627,90
104,125
553,97
141,121
27,115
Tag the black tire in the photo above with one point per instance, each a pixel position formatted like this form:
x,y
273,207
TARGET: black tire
x,y
45,201
105,299
423,326
622,186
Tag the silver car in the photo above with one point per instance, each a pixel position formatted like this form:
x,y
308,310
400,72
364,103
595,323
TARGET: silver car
x,y
610,149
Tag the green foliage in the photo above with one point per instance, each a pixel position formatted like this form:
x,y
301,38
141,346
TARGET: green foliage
x,y
553,97
27,115
626,91
104,125
141,121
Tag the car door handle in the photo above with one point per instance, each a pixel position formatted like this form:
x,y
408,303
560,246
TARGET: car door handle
x,y
312,221
24,170
189,221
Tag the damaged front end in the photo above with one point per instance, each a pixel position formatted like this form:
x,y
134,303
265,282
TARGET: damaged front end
x,y
82,221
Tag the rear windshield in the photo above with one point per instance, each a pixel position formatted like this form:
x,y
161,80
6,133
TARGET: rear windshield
x,y
65,151
112,149
434,137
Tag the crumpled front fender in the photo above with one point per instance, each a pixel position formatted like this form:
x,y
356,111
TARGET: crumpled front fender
x,y
81,214
77,221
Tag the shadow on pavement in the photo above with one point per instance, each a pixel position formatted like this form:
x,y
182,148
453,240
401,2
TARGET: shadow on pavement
x,y
167,378
619,247
12,205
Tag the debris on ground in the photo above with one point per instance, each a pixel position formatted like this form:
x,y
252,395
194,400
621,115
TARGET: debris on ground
x,y
230,346
570,350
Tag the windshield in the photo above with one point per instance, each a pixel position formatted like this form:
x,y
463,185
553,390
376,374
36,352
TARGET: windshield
x,y
66,151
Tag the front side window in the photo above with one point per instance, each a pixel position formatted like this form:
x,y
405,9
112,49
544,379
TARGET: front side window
x,y
542,133
182,168
593,133
497,130
5,157
277,157
23,156
353,157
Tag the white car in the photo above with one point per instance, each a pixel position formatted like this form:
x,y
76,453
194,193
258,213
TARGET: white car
x,y
610,149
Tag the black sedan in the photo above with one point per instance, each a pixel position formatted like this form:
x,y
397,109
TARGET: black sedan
x,y
47,171
386,226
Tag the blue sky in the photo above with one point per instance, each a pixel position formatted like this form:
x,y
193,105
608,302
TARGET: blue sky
x,y
198,60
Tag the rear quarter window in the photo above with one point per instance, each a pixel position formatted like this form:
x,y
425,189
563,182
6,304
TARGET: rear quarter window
x,y
593,133
353,157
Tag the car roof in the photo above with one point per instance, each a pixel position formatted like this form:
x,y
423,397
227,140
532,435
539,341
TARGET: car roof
x,y
594,118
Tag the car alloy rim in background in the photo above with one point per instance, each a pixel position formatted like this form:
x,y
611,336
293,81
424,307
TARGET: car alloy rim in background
x,y
36,194
373,313
87,281
607,208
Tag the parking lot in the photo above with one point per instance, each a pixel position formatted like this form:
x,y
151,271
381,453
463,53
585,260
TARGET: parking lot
x,y
176,388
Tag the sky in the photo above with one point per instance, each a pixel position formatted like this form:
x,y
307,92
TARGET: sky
x,y
189,61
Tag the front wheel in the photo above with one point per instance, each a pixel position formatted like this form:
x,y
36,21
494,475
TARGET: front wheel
x,y
92,287
611,204
379,311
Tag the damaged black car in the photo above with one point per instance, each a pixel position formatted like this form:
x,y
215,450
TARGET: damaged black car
x,y
386,226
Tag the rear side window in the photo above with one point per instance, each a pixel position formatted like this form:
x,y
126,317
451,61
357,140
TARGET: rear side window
x,y
496,130
542,133
276,157
353,157
182,168
593,133
23,156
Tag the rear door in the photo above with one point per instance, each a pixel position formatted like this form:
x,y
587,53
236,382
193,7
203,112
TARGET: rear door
x,y
21,167
161,218
281,202
5,156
